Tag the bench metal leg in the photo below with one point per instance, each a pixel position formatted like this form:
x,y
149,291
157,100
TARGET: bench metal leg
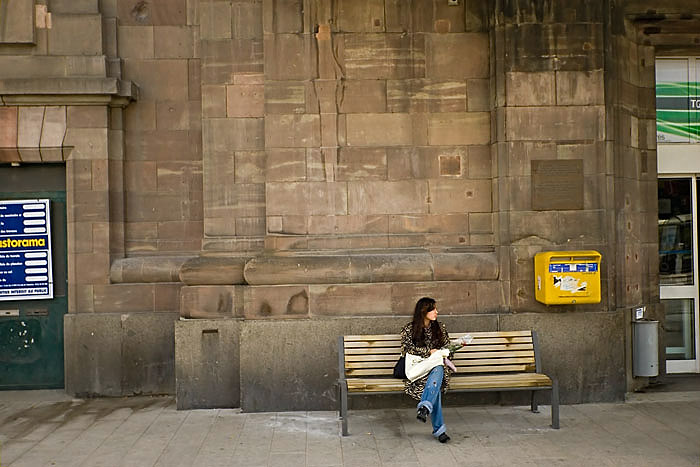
x,y
533,404
344,406
555,404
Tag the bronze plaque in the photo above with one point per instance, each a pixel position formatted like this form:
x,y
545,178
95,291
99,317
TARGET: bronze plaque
x,y
557,184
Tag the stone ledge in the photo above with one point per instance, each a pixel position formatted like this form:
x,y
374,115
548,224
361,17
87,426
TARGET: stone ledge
x,y
148,269
62,91
372,266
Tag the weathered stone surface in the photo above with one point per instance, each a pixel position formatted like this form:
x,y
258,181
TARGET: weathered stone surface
x,y
158,79
441,50
277,301
449,128
379,266
422,223
361,16
213,270
207,360
384,56
137,12
304,198
75,35
379,129
250,166
292,131
530,89
401,197
145,269
557,123
358,300
135,41
363,96
285,165
290,56
29,126
207,302
584,332
580,87
285,97
225,135
283,17
54,126
131,353
17,26
460,196
362,164
8,127
87,116
174,41
245,100
421,95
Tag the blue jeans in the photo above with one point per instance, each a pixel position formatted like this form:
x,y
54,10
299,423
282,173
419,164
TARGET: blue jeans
x,y
432,399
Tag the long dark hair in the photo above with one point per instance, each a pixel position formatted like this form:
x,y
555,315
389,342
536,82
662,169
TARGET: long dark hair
x,y
423,307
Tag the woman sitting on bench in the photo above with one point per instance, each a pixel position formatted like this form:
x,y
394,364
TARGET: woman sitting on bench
x,y
423,336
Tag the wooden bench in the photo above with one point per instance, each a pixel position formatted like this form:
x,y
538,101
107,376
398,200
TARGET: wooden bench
x,y
493,361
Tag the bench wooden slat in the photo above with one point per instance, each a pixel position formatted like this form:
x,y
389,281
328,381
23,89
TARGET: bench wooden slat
x,y
388,369
465,382
480,334
357,349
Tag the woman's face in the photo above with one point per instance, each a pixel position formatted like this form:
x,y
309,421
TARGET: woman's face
x,y
432,314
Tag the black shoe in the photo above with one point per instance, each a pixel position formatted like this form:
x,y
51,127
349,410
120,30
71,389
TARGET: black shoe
x,y
443,438
422,414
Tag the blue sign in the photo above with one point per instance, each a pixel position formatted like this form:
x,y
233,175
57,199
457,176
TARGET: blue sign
x,y
573,267
25,250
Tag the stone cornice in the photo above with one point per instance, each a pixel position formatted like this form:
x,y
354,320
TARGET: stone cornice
x,y
68,91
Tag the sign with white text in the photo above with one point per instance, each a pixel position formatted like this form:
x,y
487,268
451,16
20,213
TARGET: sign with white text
x,y
25,250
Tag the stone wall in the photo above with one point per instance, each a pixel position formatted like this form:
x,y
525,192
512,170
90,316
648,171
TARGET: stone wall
x,y
318,165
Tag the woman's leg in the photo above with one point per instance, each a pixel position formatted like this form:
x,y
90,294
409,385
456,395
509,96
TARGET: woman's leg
x,y
432,400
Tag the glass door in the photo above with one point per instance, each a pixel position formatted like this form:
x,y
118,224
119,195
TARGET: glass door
x,y
678,270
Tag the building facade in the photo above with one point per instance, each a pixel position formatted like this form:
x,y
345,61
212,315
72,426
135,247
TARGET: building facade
x,y
239,182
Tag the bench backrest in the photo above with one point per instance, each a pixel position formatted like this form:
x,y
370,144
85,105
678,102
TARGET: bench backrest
x,y
489,352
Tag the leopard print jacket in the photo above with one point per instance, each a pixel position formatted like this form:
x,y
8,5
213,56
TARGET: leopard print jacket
x,y
415,389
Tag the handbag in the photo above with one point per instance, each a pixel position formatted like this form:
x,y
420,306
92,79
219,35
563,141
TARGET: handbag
x,y
417,366
400,368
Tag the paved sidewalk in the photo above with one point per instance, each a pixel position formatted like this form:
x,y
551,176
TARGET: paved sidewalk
x,y
47,428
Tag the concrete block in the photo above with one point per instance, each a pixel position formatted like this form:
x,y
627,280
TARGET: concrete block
x,y
441,50
364,96
530,89
245,100
174,41
75,35
379,129
421,95
135,41
148,353
292,131
276,301
379,197
8,127
207,368
570,348
92,348
54,126
459,128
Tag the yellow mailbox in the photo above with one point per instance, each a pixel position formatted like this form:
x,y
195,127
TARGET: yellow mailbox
x,y
567,277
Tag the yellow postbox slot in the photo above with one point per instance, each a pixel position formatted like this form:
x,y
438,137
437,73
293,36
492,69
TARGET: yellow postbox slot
x,y
567,277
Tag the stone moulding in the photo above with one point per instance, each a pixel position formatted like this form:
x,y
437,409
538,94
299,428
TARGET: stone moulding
x,y
67,91
313,267
376,266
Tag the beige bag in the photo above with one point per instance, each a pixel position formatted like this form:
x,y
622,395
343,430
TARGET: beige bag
x,y
417,366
